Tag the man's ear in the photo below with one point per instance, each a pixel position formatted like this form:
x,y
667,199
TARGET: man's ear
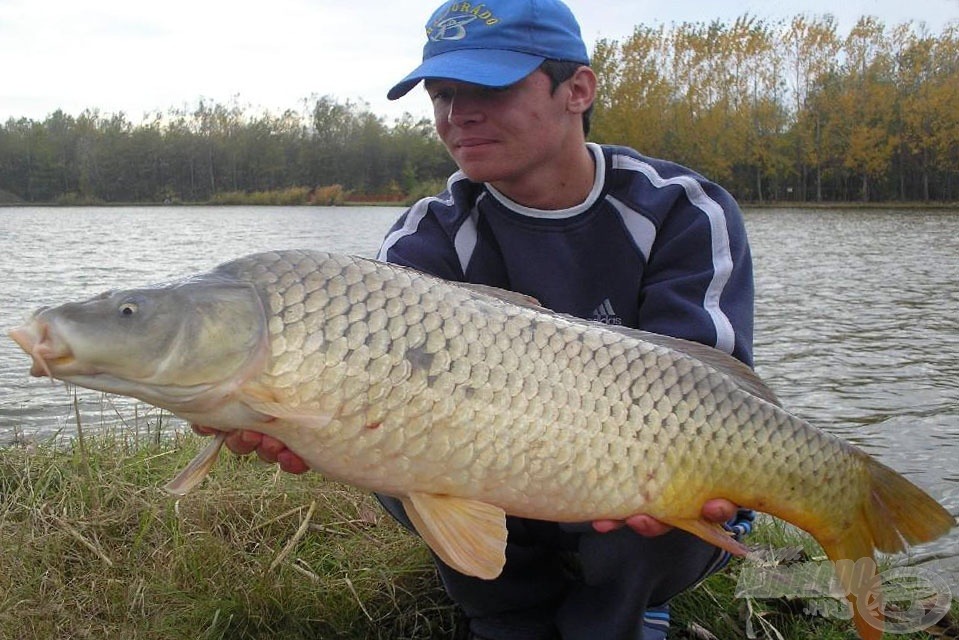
x,y
582,90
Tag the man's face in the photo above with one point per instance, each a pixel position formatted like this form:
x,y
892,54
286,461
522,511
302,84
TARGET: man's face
x,y
502,136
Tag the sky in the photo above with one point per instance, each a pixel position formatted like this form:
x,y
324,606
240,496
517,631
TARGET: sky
x,y
140,57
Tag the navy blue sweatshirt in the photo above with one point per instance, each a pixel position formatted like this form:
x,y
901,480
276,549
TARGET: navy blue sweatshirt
x,y
655,246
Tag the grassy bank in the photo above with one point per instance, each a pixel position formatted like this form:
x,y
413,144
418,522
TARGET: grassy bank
x,y
90,547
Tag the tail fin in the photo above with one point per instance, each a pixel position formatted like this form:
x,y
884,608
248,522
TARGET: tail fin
x,y
856,571
900,513
897,514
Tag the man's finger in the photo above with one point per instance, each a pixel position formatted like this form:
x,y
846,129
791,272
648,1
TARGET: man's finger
x,y
243,442
291,463
719,510
605,526
199,429
642,524
647,526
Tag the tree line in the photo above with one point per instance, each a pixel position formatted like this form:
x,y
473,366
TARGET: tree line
x,y
791,110
200,154
783,111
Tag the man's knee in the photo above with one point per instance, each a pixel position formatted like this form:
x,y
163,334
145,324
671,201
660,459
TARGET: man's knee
x,y
394,507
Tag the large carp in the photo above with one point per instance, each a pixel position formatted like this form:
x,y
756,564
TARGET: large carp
x,y
469,403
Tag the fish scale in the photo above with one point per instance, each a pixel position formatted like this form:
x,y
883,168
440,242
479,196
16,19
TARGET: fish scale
x,y
469,402
559,392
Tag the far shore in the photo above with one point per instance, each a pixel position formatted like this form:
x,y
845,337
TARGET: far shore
x,y
745,204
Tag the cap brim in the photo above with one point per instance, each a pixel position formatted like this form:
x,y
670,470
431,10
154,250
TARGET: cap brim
x,y
487,67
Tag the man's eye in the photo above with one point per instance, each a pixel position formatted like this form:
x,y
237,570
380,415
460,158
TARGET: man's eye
x,y
441,96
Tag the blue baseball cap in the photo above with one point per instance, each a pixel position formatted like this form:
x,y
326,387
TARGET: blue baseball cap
x,y
495,43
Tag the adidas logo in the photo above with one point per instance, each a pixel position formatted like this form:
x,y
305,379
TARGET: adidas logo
x,y
604,313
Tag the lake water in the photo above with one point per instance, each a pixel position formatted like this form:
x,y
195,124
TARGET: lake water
x,y
857,323
54,255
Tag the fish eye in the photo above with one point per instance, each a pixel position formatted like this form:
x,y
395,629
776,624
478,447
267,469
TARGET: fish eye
x,y
128,308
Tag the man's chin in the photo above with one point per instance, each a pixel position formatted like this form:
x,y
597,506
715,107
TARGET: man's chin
x,y
482,172
479,165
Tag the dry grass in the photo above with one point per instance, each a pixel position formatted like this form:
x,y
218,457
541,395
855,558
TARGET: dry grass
x,y
92,548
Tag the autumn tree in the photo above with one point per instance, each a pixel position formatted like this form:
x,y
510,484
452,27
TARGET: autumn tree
x,y
790,110
810,47
635,96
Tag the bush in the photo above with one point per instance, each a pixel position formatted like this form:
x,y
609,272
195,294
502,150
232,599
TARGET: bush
x,y
289,196
328,196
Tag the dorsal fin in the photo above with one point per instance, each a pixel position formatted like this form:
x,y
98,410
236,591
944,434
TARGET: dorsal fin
x,y
513,297
740,373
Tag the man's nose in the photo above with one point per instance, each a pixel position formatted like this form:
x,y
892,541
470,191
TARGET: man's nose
x,y
464,109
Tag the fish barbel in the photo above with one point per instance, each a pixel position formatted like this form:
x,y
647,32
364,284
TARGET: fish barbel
x,y
469,402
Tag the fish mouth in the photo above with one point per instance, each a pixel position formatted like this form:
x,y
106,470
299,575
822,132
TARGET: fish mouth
x,y
54,358
47,350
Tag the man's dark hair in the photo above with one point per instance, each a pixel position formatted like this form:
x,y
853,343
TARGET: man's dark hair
x,y
559,71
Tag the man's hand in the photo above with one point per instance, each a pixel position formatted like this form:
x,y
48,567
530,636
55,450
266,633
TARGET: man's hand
x,y
718,510
268,449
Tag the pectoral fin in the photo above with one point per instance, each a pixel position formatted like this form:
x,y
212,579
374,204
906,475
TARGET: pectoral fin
x,y
301,416
264,401
468,535
711,532
199,467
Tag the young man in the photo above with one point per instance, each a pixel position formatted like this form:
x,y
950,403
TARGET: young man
x,y
598,232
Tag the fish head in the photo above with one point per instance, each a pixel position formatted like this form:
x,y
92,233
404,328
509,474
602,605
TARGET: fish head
x,y
168,344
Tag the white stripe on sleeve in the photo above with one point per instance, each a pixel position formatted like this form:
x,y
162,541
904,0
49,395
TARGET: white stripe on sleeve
x,y
721,255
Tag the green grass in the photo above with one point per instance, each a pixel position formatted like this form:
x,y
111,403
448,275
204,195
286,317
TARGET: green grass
x,y
91,547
